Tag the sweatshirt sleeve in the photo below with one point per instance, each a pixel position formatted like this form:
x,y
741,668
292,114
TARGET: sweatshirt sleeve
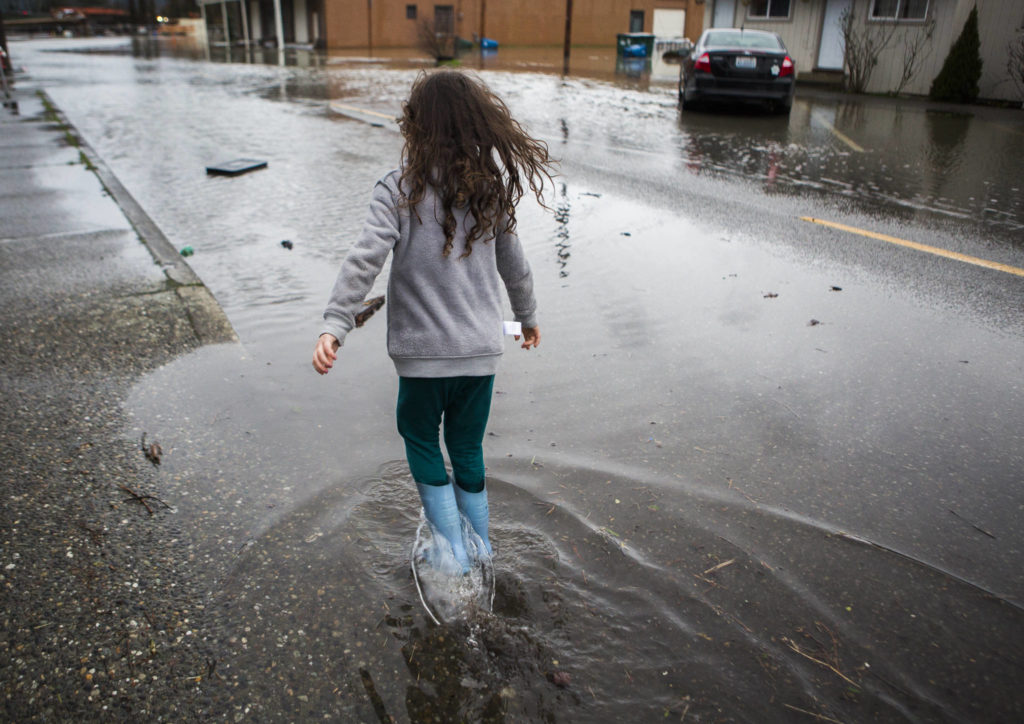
x,y
363,263
515,273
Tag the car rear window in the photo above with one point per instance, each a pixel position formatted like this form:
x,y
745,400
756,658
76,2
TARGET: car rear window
x,y
731,39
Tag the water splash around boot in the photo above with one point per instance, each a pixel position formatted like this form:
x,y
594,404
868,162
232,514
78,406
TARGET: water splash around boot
x,y
446,592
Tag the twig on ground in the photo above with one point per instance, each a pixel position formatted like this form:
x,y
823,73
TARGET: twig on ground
x,y
819,717
720,566
143,498
973,525
793,645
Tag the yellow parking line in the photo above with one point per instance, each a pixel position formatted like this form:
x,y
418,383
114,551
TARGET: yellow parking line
x,y
837,133
353,109
920,247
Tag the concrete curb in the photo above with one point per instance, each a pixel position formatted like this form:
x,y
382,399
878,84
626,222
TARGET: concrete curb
x,y
206,316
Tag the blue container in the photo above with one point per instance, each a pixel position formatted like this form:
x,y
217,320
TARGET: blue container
x,y
488,44
631,40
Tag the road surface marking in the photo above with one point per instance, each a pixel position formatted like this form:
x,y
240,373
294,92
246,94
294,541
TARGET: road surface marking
x,y
837,133
353,109
920,247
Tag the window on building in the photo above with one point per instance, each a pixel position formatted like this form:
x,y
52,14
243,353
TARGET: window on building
x,y
777,9
636,21
899,9
410,12
444,20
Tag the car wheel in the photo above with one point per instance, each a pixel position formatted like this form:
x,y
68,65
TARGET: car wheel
x,y
783,108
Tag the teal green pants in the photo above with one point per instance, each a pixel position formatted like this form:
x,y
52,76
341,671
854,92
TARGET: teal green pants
x,y
463,405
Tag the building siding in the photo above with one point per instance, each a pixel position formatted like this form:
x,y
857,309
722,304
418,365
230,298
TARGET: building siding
x,y
800,32
597,22
510,22
1000,22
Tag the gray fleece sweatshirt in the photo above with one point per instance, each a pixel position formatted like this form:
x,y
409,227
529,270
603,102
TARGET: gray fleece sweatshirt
x,y
444,313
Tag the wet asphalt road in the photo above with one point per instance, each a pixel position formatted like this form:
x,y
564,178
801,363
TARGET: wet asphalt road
x,y
858,477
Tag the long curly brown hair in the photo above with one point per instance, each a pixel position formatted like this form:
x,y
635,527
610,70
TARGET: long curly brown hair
x,y
461,139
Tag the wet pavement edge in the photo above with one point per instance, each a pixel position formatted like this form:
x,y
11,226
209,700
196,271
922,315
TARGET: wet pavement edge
x,y
99,613
208,319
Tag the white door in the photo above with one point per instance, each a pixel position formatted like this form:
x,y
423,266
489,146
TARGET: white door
x,y
301,22
725,14
669,23
830,52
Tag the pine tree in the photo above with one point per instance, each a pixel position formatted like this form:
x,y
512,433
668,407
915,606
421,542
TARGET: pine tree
x,y
958,79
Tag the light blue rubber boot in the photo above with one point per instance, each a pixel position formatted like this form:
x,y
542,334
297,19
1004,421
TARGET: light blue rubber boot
x,y
443,513
474,506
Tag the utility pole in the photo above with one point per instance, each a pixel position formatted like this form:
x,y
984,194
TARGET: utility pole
x,y
3,44
369,26
483,19
568,37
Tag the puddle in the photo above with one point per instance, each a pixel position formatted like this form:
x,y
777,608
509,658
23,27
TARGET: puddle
x,y
704,506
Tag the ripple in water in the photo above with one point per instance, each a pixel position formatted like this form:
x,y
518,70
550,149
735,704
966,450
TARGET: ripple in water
x,y
707,614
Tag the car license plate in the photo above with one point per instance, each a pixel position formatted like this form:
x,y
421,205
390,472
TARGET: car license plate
x,y
746,63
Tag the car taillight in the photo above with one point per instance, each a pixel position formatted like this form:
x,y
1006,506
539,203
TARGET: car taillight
x,y
787,67
703,63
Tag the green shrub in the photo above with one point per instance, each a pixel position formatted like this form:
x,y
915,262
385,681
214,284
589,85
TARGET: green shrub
x,y
958,79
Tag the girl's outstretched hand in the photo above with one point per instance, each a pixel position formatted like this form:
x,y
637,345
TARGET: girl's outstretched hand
x,y
531,337
325,353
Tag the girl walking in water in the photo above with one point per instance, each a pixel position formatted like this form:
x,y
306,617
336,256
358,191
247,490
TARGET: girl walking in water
x,y
448,217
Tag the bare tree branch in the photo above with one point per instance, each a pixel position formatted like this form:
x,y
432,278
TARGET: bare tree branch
x,y
862,44
915,52
1015,62
438,46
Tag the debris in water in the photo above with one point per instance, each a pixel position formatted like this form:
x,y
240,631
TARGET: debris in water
x,y
771,295
836,289
236,167
973,525
187,251
561,679
153,451
720,566
287,244
813,323
372,305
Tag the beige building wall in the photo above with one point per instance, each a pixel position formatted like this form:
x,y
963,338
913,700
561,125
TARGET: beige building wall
x,y
510,22
1000,22
801,32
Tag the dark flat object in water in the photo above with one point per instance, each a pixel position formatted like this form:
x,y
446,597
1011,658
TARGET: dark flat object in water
x,y
236,167
372,305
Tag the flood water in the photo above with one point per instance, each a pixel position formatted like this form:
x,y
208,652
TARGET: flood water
x,y
704,508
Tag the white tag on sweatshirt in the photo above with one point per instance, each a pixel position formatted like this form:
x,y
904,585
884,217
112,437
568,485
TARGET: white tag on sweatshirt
x,y
512,328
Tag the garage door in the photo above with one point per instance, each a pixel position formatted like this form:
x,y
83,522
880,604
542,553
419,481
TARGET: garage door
x,y
669,23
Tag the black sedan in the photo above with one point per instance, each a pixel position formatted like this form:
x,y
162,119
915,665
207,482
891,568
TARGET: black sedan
x,y
733,65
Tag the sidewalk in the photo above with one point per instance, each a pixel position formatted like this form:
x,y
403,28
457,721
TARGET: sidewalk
x,y
92,295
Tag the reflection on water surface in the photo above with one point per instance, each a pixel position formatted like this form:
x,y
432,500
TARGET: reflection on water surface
x,y
704,508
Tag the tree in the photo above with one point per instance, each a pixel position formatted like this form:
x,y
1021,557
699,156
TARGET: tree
x,y
1015,62
861,48
439,46
915,50
958,79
